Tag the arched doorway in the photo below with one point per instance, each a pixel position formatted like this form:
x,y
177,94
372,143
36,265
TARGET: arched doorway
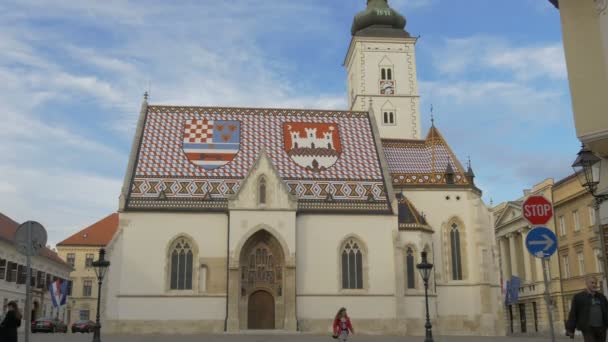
x,y
261,303
260,311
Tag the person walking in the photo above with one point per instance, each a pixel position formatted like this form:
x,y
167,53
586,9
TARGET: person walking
x,y
589,313
342,325
10,323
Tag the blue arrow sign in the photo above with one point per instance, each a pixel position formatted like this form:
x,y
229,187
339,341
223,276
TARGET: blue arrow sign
x,y
541,242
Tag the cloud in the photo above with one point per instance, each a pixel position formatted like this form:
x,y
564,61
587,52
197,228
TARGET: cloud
x,y
460,56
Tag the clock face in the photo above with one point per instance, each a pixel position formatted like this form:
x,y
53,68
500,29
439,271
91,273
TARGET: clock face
x,y
387,87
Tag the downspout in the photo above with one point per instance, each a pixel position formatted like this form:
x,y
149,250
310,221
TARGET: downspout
x,y
227,272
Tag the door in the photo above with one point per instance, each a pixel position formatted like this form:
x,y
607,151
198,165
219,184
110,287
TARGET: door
x,y
260,311
522,317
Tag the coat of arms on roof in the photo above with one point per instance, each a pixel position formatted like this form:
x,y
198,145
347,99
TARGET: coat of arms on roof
x,y
211,144
314,146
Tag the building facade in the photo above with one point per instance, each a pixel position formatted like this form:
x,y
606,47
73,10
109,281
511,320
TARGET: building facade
x,y
79,251
258,218
47,267
579,246
585,37
527,314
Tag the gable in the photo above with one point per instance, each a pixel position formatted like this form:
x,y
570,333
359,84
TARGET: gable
x,y
510,213
277,194
196,157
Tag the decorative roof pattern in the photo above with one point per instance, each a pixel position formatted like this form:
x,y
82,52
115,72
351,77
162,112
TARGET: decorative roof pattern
x,y
98,234
315,152
422,162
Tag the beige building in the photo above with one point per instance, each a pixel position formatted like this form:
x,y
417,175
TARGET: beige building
x,y
585,37
529,314
80,250
579,247
263,218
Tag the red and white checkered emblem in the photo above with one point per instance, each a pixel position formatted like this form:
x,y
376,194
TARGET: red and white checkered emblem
x,y
198,131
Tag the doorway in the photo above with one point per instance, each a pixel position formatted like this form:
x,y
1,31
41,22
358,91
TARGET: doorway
x,y
260,311
522,318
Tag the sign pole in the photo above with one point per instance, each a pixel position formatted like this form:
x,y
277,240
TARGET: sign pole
x,y
545,262
28,284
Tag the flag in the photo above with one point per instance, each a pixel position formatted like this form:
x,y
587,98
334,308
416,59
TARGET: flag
x,y
59,292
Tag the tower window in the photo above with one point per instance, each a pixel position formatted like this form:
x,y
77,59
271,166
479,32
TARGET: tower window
x,y
386,74
389,118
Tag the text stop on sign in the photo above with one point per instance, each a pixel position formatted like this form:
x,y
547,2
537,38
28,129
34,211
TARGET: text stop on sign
x,y
537,210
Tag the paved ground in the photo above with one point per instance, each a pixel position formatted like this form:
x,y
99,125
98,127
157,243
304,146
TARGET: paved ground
x,y
274,338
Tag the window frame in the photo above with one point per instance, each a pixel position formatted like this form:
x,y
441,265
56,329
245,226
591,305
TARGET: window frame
x,y
455,253
577,220
580,258
359,272
562,225
71,259
193,265
87,284
3,268
566,265
410,273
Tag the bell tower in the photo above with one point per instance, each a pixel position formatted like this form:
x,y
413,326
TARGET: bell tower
x,y
381,70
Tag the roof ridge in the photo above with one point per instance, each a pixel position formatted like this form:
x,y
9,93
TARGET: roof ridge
x,y
258,108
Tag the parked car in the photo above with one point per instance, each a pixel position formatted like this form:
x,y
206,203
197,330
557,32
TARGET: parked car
x,y
83,326
51,325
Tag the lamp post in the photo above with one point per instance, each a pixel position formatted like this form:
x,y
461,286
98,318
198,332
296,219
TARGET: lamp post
x,y
425,271
100,267
587,167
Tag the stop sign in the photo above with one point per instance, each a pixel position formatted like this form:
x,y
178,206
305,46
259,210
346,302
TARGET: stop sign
x,y
537,210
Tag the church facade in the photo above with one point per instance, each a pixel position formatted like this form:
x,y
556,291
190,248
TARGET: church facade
x,y
234,219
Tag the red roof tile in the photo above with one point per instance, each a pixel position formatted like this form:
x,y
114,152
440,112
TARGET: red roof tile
x,y
98,234
8,229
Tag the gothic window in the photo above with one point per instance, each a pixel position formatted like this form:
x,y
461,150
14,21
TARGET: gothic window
x,y
389,118
352,266
181,265
383,74
389,74
262,191
455,252
410,267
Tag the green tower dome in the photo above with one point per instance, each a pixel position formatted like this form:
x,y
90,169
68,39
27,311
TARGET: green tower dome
x,y
379,19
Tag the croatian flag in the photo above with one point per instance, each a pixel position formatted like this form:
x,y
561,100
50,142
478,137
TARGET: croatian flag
x,y
59,292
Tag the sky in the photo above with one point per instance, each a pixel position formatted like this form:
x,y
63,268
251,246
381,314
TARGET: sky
x,y
73,74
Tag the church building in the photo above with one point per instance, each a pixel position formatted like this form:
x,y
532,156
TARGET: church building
x,y
237,219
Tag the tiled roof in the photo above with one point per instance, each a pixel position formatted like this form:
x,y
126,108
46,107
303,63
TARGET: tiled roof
x,y
422,162
98,234
196,157
409,217
8,229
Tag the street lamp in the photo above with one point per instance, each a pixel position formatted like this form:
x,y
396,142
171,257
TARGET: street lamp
x,y
100,266
587,167
425,271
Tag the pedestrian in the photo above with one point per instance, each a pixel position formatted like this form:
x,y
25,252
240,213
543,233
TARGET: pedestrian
x,y
342,326
10,323
589,313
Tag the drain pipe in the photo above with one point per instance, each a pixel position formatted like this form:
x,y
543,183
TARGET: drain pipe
x,y
227,272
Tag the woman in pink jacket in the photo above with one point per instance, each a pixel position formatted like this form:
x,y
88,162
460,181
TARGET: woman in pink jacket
x,y
342,326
